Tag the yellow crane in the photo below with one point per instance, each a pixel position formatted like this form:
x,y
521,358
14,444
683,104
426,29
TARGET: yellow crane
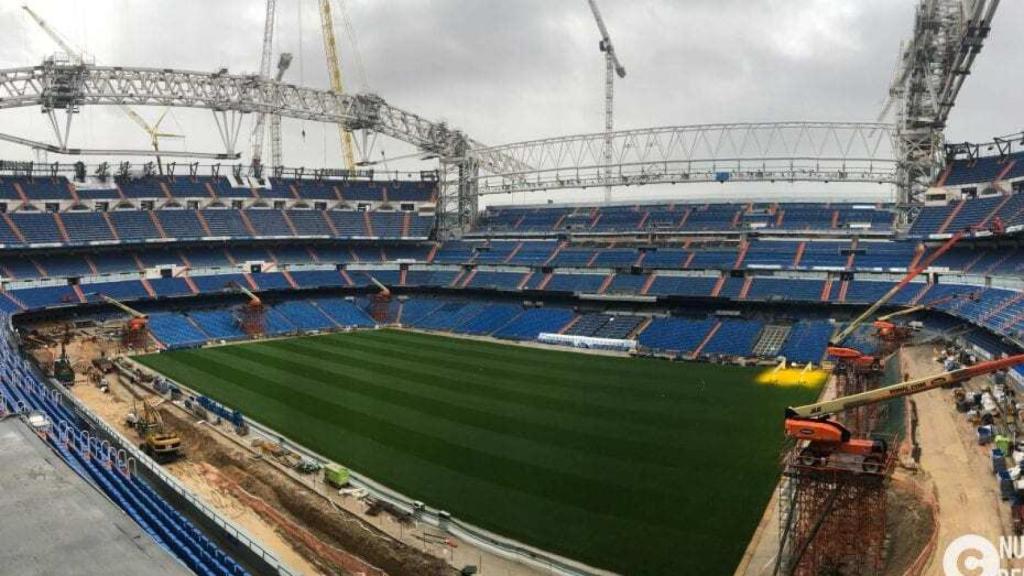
x,y
334,69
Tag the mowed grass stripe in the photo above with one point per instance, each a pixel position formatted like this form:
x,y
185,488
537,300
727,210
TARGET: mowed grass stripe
x,y
494,387
547,367
457,435
548,483
458,420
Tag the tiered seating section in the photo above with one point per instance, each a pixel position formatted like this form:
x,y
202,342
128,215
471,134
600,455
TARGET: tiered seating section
x,y
77,228
971,212
687,218
23,188
984,170
93,459
196,327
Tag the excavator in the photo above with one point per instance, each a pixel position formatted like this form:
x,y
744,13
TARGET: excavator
x,y
63,368
158,442
830,444
837,350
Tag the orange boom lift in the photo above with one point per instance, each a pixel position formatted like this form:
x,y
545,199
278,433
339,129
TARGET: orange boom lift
x,y
835,348
832,444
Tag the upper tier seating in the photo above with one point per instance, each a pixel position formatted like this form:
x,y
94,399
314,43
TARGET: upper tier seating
x,y
685,217
970,212
128,226
984,169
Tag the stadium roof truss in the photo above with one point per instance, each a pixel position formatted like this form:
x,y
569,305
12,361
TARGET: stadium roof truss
x,y
948,35
67,84
746,152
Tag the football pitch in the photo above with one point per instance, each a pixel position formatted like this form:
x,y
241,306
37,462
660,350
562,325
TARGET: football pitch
x,y
639,466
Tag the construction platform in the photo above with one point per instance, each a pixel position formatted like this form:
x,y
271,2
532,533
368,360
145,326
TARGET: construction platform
x,y
54,522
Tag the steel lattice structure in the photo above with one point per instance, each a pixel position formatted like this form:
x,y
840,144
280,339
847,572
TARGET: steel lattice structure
x,y
933,65
767,151
57,85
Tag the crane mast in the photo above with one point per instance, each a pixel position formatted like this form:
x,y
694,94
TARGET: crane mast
x,y
276,155
612,68
265,59
56,37
334,70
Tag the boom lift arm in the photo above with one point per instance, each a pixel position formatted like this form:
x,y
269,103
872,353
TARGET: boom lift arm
x,y
122,306
910,275
253,299
384,291
901,389
832,444
926,305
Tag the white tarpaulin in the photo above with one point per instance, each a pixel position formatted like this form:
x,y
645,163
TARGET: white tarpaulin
x,y
587,342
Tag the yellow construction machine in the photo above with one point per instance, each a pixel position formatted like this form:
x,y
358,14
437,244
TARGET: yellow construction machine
x,y
160,443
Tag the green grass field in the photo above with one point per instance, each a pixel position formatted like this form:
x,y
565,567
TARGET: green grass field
x,y
639,466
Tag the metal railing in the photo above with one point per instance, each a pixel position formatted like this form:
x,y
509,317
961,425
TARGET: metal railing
x,y
132,453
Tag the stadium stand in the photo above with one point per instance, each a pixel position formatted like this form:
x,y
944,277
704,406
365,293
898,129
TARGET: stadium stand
x,y
534,321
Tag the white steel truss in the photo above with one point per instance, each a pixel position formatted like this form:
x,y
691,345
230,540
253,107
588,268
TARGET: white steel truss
x,y
67,86
933,65
769,151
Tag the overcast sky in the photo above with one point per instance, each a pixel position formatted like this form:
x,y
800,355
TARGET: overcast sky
x,y
510,70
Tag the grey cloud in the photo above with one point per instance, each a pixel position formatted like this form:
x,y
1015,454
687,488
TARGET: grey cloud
x,y
507,71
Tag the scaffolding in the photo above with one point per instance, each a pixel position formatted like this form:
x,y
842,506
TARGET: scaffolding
x,y
832,520
853,378
135,334
251,317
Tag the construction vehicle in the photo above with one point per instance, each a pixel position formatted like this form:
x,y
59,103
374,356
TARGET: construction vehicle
x,y
380,302
63,369
830,444
835,347
135,334
892,331
158,441
337,475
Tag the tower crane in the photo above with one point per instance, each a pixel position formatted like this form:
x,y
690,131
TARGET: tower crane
x,y
334,70
276,156
612,68
832,444
265,56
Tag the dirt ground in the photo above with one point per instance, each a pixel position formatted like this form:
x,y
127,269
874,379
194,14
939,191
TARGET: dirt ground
x,y
310,527
954,467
